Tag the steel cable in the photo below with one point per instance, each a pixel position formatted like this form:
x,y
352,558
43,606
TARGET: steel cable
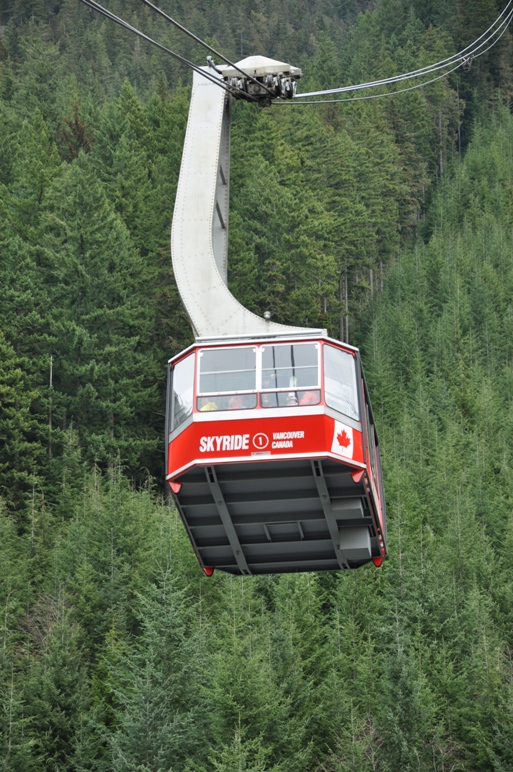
x,y
461,57
299,101
371,96
205,45
472,51
108,14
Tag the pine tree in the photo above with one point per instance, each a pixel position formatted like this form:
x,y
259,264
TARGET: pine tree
x,y
15,595
162,711
20,455
56,687
252,712
105,558
103,370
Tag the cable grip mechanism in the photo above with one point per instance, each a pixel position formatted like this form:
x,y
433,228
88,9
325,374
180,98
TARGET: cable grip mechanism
x,y
261,78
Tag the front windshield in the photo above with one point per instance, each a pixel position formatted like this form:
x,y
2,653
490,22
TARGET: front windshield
x,y
285,374
227,376
290,375
224,370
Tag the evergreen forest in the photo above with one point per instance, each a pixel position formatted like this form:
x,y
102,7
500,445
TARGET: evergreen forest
x,y
387,221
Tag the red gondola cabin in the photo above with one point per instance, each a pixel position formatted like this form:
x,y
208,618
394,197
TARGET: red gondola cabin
x,y
272,455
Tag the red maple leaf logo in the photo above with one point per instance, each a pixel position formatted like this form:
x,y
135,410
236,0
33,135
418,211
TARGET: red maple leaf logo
x,y
343,439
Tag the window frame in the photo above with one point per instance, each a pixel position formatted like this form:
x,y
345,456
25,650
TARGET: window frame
x,y
259,348
355,385
275,389
231,392
171,392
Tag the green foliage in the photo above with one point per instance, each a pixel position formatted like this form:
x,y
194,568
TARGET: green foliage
x,y
101,365
161,713
57,685
115,652
446,487
19,455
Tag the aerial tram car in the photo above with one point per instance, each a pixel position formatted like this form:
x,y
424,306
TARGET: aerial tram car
x,y
272,453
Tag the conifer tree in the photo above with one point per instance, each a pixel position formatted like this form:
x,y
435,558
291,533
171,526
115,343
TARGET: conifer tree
x,y
20,455
162,711
103,369
56,686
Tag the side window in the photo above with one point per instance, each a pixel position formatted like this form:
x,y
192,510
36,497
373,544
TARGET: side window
x,y
340,381
183,387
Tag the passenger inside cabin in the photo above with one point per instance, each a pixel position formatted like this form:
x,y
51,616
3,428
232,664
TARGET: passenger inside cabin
x,y
240,402
205,404
310,397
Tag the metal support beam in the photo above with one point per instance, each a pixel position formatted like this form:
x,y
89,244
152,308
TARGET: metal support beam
x,y
217,495
324,496
199,236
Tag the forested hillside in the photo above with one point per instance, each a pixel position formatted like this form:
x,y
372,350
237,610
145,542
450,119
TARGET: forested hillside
x,y
390,223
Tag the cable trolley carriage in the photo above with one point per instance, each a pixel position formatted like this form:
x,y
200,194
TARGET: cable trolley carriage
x,y
272,453
273,457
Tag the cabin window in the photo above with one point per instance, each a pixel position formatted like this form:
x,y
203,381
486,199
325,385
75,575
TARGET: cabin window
x,y
340,381
290,375
183,387
226,379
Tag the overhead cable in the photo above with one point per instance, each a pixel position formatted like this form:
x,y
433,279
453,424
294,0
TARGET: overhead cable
x,y
471,51
398,91
370,96
206,45
461,57
97,7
